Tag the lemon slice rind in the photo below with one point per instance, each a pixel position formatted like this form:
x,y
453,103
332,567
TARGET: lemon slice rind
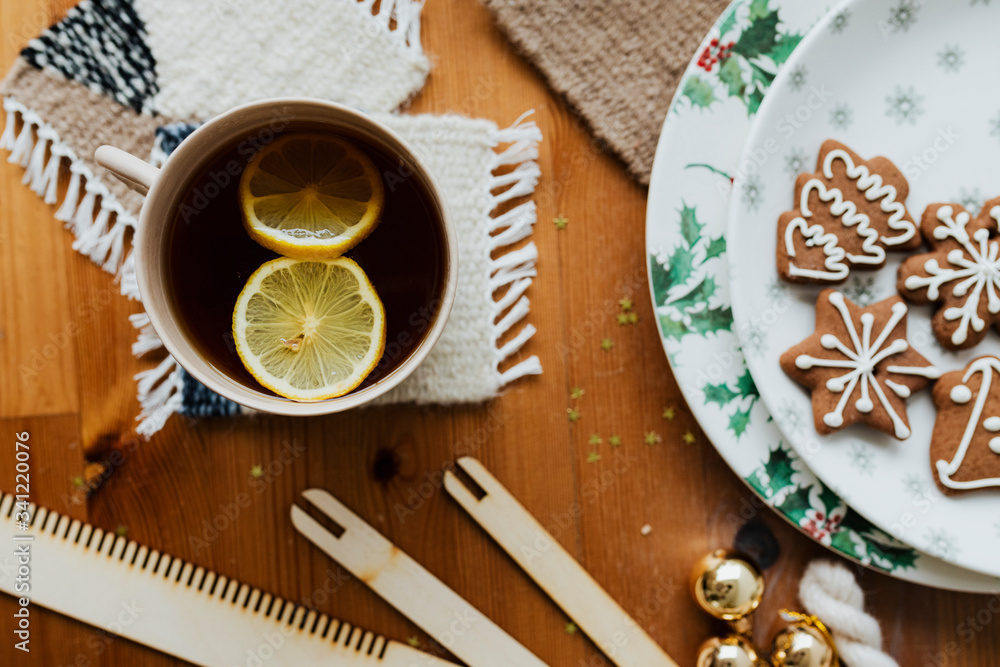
x,y
310,246
291,318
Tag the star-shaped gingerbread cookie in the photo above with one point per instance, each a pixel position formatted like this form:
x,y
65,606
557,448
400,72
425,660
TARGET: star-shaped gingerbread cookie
x,y
847,215
965,445
859,365
961,274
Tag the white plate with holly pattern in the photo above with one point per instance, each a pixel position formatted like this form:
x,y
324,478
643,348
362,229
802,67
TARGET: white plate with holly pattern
x,y
690,189
903,80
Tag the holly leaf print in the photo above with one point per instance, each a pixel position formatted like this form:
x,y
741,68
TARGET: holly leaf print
x,y
754,101
719,394
783,48
690,227
746,386
681,266
845,542
739,421
778,468
671,328
699,92
696,297
831,501
728,22
758,9
731,74
796,504
712,320
761,36
893,558
716,248
660,278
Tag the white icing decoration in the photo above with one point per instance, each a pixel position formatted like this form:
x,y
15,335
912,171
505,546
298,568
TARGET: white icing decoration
x,y
977,269
901,389
961,394
815,235
987,366
862,356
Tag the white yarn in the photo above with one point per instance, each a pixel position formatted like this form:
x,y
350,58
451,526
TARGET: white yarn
x,y
828,591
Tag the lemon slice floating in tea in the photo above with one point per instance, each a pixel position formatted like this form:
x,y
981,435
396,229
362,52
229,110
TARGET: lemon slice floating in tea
x,y
310,196
309,329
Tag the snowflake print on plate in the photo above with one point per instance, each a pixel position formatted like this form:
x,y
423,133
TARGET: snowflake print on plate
x,y
859,365
965,445
951,58
848,214
862,458
841,117
796,162
798,78
972,200
961,273
840,22
902,16
752,190
905,105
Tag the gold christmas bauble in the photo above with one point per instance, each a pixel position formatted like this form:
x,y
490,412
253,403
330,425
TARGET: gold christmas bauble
x,y
734,651
803,645
727,585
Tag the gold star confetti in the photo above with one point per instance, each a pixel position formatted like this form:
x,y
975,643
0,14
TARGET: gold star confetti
x,y
78,482
593,457
632,318
669,414
576,393
652,438
595,440
570,628
622,319
414,642
560,222
257,472
615,441
121,531
606,344
573,414
688,437
625,303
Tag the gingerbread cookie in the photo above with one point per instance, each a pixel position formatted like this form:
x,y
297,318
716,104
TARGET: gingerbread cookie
x,y
965,446
859,365
850,212
961,273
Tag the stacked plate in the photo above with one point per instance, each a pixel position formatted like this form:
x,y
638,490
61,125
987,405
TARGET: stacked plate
x,y
771,82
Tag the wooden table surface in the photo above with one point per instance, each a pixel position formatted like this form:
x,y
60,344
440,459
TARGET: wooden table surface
x,y
386,463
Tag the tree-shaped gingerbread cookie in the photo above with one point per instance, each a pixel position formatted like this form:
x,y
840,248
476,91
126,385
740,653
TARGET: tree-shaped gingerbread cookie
x,y
961,274
847,215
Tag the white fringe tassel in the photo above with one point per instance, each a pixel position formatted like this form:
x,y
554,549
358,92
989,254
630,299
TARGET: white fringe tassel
x,y
828,591
160,395
514,269
406,14
38,149
147,340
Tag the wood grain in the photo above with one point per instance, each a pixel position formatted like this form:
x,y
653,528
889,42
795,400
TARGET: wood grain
x,y
188,490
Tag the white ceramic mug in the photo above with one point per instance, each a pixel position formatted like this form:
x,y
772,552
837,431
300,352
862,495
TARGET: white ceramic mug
x,y
166,188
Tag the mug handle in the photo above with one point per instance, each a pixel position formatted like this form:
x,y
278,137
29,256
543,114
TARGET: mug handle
x,y
130,170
